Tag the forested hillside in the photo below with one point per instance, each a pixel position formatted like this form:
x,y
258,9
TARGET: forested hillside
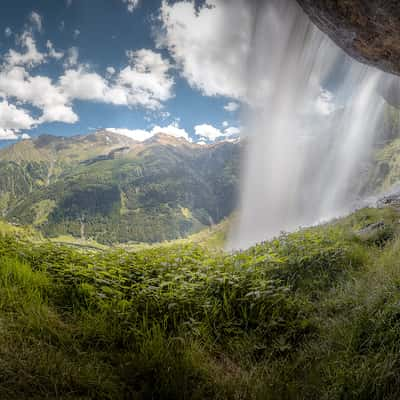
x,y
111,188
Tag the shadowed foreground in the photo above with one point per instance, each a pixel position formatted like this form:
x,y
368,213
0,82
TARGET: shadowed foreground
x,y
313,315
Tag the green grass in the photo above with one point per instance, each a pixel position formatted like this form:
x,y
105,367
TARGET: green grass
x,y
310,315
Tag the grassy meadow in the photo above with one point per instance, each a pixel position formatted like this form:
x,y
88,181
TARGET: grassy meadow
x,y
310,315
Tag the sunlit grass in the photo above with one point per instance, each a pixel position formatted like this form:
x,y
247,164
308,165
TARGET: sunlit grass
x,y
312,315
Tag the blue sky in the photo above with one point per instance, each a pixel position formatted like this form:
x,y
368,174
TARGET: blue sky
x,y
71,66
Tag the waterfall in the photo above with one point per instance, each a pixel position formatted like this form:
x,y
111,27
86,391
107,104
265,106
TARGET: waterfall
x,y
312,118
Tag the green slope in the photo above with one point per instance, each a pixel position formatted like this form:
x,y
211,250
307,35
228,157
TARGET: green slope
x,y
112,189
311,315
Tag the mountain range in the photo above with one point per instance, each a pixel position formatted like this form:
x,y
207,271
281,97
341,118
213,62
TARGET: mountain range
x,y
111,188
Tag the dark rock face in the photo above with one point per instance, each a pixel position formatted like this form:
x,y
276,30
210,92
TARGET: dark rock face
x,y
368,30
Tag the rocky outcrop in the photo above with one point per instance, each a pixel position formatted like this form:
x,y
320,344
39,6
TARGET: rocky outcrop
x,y
368,30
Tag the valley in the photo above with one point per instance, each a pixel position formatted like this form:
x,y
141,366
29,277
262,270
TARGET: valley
x,y
112,189
234,232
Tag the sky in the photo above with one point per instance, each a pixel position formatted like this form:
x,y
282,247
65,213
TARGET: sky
x,y
137,67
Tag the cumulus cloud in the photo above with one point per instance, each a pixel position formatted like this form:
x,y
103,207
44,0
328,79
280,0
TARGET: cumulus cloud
x,y
71,59
13,118
136,134
232,131
36,21
31,57
52,52
211,133
110,71
141,135
207,45
212,44
8,134
171,130
19,87
131,4
39,91
144,82
82,85
206,131
232,106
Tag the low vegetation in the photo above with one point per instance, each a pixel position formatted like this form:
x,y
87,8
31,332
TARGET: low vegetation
x,y
310,315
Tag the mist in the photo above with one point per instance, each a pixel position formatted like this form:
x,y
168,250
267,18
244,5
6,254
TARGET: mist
x,y
311,120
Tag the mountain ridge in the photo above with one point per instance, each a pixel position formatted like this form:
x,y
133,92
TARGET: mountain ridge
x,y
112,188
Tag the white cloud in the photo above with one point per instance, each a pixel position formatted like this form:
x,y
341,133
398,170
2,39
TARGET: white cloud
x,y
31,57
19,86
207,45
166,114
8,32
210,133
82,85
131,4
232,106
136,134
171,130
110,71
232,131
38,91
72,57
25,136
59,113
36,21
8,134
52,52
13,118
76,33
142,135
225,124
206,131
232,140
144,82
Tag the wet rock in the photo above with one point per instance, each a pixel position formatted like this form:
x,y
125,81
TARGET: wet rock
x,y
368,30
371,229
377,234
391,200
